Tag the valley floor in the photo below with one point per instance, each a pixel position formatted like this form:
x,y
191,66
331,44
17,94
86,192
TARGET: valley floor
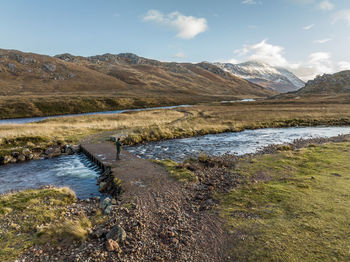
x,y
145,126
286,203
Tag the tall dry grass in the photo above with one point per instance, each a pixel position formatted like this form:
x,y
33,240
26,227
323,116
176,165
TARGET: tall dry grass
x,y
164,124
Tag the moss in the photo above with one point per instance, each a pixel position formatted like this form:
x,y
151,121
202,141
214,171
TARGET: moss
x,y
23,141
299,212
177,170
37,216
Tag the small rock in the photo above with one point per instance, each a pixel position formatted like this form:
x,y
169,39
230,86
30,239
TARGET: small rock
x,y
15,154
210,202
117,233
5,160
49,67
29,157
102,187
108,210
112,245
26,151
99,233
336,174
21,158
12,67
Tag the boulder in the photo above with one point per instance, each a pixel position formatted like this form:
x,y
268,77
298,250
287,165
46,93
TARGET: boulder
x,y
5,160
117,233
15,154
30,156
26,151
108,210
53,152
68,150
106,202
21,158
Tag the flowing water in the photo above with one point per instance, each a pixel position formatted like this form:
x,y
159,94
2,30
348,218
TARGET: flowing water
x,y
78,173
248,141
38,119
74,171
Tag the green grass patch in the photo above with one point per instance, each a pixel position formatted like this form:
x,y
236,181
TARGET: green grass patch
x,y
37,216
291,206
177,170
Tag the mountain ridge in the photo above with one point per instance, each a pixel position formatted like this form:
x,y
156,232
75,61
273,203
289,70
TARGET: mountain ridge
x,y
328,83
124,73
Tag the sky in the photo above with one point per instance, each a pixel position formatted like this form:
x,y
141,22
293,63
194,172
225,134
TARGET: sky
x,y
308,37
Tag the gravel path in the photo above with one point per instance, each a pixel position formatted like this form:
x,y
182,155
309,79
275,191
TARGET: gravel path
x,y
164,220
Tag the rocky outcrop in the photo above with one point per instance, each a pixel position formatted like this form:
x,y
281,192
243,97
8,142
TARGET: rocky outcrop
x,y
327,83
27,154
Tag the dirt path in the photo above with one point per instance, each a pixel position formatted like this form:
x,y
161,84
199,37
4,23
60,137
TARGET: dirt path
x,y
174,227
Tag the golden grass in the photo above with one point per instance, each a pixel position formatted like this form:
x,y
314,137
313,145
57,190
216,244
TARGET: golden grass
x,y
153,125
24,214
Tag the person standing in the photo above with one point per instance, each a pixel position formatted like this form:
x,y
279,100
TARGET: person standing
x,y
119,147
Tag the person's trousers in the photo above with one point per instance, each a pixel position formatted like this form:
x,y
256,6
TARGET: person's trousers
x,y
118,154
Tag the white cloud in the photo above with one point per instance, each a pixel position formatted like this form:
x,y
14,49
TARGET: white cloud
x,y
180,54
326,5
187,27
322,41
264,52
343,65
315,64
308,27
249,2
343,15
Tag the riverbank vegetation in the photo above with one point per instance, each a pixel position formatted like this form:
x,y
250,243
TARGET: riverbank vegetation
x,y
39,216
145,126
36,106
290,205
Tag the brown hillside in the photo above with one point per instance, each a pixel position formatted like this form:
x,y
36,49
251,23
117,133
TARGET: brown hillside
x,y
151,75
328,84
325,88
36,85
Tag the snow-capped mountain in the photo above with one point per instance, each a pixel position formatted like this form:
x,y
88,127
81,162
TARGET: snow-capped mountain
x,y
275,78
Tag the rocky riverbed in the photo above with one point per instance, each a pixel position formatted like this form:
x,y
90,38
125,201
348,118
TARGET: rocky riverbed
x,y
35,153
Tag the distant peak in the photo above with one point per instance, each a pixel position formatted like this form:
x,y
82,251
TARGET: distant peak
x,y
255,63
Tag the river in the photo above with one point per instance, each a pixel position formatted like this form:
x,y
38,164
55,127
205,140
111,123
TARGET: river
x,y
74,171
248,141
77,172
41,118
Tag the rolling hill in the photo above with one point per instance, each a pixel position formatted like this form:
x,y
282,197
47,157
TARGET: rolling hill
x,y
35,85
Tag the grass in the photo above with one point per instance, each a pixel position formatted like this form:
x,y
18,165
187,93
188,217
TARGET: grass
x,y
138,127
291,206
177,171
32,106
38,216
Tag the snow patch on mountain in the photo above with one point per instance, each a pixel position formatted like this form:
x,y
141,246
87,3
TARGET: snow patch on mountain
x,y
274,78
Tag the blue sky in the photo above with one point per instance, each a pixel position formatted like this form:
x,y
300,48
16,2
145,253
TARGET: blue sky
x,y
308,37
